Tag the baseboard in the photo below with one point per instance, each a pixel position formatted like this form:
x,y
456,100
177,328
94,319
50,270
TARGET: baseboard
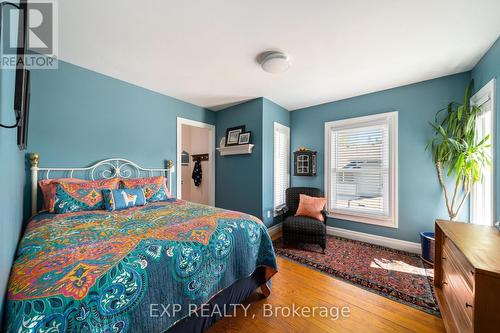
x,y
363,237
374,239
275,229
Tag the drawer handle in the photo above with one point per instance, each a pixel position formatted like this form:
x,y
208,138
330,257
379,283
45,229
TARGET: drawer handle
x,y
472,272
444,258
467,305
444,283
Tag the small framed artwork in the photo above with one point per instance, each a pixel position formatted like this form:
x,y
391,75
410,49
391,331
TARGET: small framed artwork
x,y
233,135
222,142
244,138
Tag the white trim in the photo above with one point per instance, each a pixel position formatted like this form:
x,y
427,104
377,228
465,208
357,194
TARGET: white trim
x,y
286,129
486,93
34,190
279,211
359,217
236,150
392,243
211,152
393,220
275,229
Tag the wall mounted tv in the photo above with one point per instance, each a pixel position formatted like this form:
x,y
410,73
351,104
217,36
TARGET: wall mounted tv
x,y
22,89
21,106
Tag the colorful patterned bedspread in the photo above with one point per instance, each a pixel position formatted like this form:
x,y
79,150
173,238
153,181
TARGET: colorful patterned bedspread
x,y
101,271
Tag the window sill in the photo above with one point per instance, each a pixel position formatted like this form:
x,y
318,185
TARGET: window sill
x,y
389,223
278,212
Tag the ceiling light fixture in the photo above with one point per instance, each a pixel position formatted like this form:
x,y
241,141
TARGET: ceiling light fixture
x,y
274,62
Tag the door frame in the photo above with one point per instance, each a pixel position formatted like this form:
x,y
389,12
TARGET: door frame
x,y
211,153
488,92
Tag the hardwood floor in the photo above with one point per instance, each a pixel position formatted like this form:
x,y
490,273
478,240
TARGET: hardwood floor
x,y
302,286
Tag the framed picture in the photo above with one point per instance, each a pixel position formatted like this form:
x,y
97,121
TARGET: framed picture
x,y
244,138
222,142
233,135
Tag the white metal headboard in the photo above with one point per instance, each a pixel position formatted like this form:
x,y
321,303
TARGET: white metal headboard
x,y
105,169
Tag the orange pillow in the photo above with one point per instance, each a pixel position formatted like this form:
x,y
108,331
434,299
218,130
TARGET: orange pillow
x,y
155,188
46,186
112,183
311,207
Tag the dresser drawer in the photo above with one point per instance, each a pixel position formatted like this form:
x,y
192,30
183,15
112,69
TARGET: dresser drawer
x,y
453,254
459,297
467,276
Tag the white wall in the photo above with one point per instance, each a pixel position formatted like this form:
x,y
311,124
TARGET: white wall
x,y
195,140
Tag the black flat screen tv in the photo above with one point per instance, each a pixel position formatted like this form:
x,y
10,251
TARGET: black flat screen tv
x,y
22,89
22,127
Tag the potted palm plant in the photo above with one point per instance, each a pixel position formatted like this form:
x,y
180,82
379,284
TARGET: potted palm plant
x,y
458,154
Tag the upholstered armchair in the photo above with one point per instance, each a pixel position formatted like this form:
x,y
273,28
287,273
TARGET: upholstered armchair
x,y
302,229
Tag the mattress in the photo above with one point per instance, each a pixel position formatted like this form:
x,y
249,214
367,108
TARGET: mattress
x,y
102,271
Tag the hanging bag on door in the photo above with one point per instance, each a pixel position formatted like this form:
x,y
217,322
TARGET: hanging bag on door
x,y
197,173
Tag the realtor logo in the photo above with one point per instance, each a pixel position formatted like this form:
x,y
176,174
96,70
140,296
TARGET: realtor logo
x,y
40,27
29,34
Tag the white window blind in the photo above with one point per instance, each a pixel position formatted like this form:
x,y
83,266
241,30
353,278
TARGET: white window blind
x,y
482,207
361,168
281,164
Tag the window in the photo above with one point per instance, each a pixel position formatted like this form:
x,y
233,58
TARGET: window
x,y
361,169
482,208
303,164
281,164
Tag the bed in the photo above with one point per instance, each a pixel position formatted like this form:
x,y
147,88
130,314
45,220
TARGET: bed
x,y
167,266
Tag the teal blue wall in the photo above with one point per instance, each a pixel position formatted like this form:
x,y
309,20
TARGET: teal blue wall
x,y
487,69
420,197
239,177
245,182
272,112
79,117
12,178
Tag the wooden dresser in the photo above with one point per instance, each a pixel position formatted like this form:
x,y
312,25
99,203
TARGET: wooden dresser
x,y
467,276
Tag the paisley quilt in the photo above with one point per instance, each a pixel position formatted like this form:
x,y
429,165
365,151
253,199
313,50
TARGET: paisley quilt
x,y
102,271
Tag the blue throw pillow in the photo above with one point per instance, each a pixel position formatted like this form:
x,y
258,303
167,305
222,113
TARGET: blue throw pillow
x,y
123,198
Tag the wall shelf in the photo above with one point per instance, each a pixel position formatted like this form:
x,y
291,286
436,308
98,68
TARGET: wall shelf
x,y
236,150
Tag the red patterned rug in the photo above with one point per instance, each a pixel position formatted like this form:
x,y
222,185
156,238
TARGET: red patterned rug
x,y
398,275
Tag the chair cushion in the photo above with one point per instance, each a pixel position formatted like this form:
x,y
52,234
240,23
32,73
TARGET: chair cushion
x,y
293,197
311,207
303,225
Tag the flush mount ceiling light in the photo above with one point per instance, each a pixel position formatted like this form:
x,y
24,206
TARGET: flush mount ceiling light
x,y
274,62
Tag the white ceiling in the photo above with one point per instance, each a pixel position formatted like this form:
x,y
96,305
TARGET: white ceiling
x,y
204,52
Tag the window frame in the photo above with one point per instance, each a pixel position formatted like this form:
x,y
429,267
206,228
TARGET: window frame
x,y
487,92
391,118
280,127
